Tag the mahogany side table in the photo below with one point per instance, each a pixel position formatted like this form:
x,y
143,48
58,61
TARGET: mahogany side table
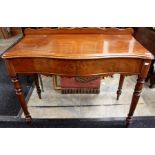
x,y
78,52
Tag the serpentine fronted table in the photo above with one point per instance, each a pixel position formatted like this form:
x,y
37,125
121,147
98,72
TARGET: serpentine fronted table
x,y
78,52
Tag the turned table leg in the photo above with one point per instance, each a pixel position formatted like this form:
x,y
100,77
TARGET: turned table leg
x,y
36,80
121,81
135,98
137,91
21,99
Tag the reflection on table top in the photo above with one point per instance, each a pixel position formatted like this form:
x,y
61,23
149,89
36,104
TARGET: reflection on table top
x,y
78,46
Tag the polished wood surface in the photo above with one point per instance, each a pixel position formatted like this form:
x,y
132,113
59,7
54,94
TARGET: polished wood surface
x,y
78,46
79,52
75,67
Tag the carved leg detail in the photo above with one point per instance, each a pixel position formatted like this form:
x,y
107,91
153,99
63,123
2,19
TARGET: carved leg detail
x,y
121,81
135,98
36,80
21,99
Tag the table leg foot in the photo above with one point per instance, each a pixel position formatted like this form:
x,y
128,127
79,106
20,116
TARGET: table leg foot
x,y
28,120
128,121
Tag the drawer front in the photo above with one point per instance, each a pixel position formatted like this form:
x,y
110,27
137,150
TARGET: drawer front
x,y
77,67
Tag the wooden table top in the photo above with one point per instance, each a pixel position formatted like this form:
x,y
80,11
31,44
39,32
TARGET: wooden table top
x,y
78,46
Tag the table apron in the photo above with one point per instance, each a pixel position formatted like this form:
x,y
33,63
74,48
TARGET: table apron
x,y
76,67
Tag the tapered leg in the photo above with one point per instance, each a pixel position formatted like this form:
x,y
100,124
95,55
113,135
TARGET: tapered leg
x,y
21,99
41,83
135,98
121,81
36,80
